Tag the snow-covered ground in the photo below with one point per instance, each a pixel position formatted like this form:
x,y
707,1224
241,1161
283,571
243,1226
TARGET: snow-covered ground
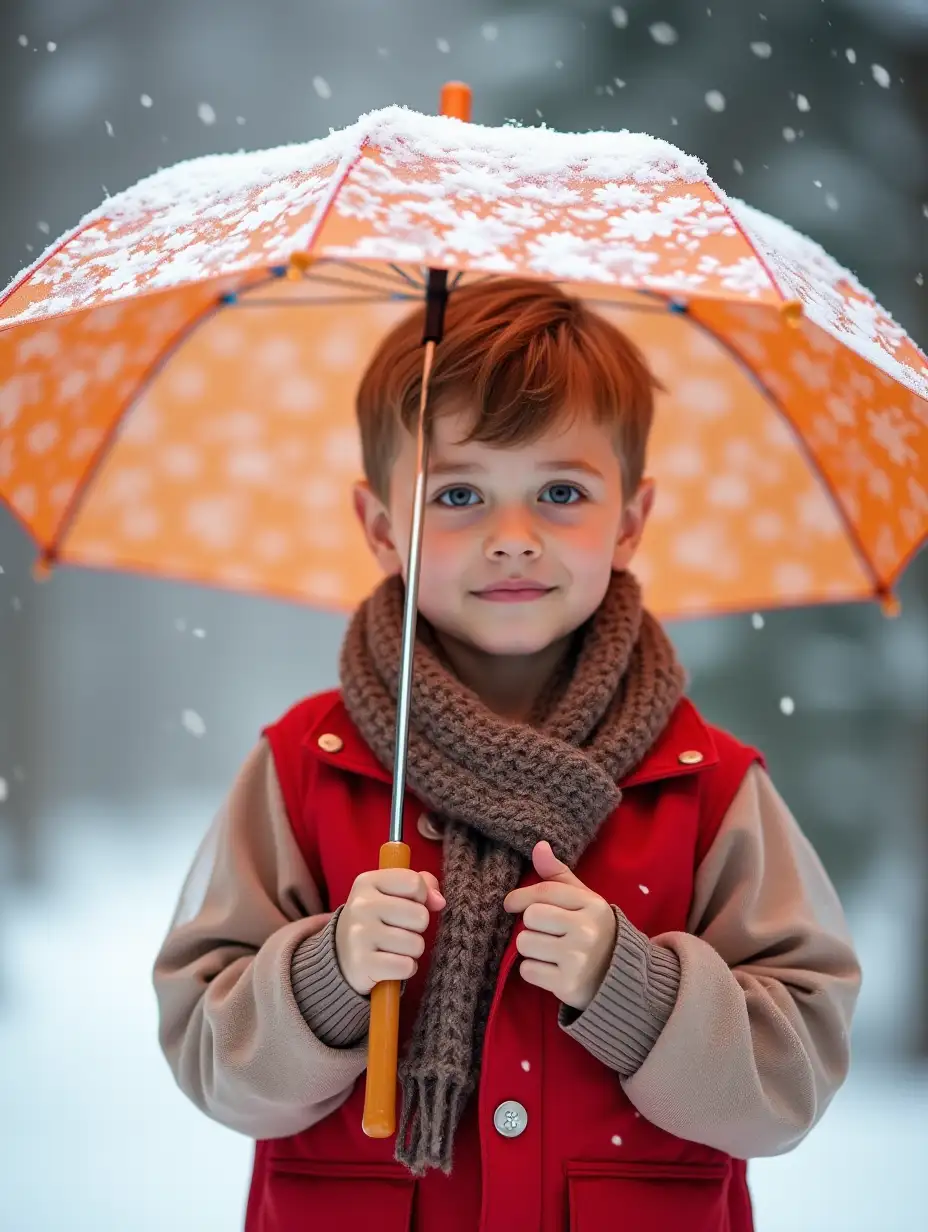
x,y
94,1136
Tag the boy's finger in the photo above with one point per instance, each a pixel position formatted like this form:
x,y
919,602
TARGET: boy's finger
x,y
570,897
435,897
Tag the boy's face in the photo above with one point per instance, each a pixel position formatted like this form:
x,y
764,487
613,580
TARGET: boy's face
x,y
548,515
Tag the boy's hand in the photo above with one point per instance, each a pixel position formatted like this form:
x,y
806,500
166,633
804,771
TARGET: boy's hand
x,y
569,931
379,932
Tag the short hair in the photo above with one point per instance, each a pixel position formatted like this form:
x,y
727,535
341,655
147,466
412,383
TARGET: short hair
x,y
525,355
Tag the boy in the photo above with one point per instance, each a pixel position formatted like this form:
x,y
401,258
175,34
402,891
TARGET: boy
x,y
636,974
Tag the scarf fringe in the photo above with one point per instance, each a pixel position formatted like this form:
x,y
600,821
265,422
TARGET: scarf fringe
x,y
424,1142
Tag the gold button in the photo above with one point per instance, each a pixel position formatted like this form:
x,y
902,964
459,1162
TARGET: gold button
x,y
330,742
427,827
692,757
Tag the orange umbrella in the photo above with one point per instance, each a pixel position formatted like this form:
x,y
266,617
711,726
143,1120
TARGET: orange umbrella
x,y
177,373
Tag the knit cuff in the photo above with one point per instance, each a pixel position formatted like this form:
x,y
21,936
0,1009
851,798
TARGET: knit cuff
x,y
621,1024
334,1012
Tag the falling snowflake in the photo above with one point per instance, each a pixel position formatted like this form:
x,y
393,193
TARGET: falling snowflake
x,y
206,113
616,1140
109,128
925,209
490,32
146,100
880,75
787,705
193,723
789,134
180,624
526,1065
817,183
738,166
239,120
199,633
619,82
51,46
44,228
664,33
851,55
443,45
23,41
762,50
920,280
619,17
322,87
757,620
715,100
4,790
832,201
803,103
644,889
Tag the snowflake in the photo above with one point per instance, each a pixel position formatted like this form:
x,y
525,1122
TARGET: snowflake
x,y
890,430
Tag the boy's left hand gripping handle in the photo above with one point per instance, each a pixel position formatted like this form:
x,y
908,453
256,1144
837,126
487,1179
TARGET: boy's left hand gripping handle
x,y
379,1120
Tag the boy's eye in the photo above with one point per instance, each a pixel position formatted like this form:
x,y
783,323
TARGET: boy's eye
x,y
563,493
456,498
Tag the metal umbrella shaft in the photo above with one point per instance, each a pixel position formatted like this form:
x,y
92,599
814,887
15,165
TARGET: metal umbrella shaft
x,y
379,1118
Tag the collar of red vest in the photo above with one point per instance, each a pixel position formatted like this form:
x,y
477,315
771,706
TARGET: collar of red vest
x,y
685,746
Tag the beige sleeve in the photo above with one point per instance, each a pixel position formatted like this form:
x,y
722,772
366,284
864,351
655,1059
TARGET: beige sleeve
x,y
735,1033
259,1027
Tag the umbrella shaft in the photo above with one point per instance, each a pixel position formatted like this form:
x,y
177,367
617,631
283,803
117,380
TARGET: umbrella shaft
x,y
410,607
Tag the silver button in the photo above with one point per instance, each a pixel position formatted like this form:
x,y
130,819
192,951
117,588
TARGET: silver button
x,y
427,827
510,1118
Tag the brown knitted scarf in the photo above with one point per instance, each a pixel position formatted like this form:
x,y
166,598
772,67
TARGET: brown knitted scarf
x,y
500,787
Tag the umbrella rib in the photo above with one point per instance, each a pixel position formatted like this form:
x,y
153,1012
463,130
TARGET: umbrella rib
x,y
368,271
326,300
401,273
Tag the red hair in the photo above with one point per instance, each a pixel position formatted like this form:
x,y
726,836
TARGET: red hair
x,y
525,355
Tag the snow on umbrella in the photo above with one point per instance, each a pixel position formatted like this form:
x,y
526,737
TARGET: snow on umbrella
x,y
177,373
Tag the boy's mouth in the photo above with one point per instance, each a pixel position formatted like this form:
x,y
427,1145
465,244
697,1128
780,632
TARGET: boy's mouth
x,y
514,590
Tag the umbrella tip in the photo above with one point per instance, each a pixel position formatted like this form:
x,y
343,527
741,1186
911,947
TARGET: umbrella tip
x,y
456,97
890,605
42,569
792,311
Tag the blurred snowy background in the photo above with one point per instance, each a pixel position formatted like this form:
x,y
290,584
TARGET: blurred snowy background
x,y
126,705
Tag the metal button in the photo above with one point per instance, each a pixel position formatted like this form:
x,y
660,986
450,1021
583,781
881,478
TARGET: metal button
x,y
692,757
510,1118
428,829
330,743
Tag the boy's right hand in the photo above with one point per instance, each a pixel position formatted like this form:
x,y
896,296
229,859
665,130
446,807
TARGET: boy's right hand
x,y
379,931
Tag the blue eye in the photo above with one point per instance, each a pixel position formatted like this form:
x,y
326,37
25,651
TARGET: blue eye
x,y
453,495
561,493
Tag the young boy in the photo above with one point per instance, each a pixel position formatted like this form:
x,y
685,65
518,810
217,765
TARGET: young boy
x,y
636,974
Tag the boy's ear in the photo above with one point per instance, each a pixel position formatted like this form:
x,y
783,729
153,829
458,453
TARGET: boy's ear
x,y
375,522
634,519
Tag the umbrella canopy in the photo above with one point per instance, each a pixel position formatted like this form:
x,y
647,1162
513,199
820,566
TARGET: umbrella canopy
x,y
177,374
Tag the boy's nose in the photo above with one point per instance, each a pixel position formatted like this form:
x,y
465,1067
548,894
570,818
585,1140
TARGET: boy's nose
x,y
513,537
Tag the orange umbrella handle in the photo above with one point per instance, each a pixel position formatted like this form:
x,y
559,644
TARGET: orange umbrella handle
x,y
379,1120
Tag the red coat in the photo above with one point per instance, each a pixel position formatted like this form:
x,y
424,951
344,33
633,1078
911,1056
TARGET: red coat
x,y
586,1160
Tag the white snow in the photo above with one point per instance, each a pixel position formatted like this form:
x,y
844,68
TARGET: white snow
x,y
146,100
715,100
762,50
489,32
880,75
757,620
322,87
619,16
787,705
803,103
4,790
644,889
194,723
206,113
664,33
851,55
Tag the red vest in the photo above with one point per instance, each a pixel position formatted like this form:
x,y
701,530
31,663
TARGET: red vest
x,y
586,1160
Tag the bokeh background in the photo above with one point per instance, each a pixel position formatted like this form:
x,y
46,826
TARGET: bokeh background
x,y
126,705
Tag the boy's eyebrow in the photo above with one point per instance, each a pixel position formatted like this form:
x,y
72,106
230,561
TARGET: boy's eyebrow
x,y
441,467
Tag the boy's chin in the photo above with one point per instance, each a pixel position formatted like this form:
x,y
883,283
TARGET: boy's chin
x,y
513,641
